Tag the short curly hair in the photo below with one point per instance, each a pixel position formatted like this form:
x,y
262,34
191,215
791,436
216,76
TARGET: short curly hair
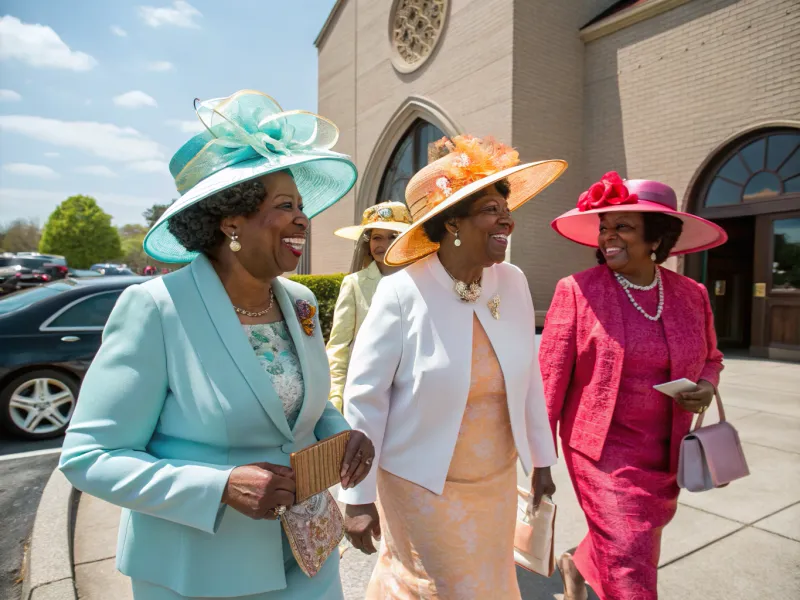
x,y
657,227
435,228
197,227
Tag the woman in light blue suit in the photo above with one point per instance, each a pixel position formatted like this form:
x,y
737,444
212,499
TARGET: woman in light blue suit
x,y
210,377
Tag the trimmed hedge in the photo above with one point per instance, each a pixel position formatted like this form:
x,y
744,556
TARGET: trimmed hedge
x,y
326,290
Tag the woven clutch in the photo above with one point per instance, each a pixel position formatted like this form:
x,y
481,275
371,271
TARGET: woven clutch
x,y
319,466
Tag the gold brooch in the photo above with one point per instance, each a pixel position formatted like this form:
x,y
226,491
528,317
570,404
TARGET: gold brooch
x,y
494,306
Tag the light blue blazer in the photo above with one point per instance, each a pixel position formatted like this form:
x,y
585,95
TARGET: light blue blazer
x,y
173,401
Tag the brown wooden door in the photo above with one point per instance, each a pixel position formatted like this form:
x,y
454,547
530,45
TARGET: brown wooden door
x,y
729,278
776,325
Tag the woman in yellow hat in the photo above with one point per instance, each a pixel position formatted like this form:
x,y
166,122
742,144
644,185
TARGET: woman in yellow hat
x,y
380,225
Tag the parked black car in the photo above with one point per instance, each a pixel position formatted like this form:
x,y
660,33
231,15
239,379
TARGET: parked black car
x,y
29,269
110,269
48,337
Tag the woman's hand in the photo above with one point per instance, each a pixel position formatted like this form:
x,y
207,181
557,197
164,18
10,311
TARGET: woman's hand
x,y
260,490
542,485
699,400
361,524
357,459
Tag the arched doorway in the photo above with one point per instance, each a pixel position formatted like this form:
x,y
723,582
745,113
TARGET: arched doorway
x,y
752,189
409,156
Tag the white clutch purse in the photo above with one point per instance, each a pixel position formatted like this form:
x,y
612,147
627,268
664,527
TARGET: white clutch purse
x,y
535,534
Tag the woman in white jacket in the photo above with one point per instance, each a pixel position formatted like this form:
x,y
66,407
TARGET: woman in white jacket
x,y
445,380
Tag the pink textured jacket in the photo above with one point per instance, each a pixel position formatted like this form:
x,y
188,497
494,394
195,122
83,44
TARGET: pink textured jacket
x,y
583,348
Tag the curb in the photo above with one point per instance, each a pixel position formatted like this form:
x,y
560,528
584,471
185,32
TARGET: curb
x,y
48,563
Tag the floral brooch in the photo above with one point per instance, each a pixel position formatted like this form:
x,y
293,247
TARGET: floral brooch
x,y
306,312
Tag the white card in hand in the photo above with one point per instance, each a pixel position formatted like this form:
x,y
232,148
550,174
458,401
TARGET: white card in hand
x,y
673,388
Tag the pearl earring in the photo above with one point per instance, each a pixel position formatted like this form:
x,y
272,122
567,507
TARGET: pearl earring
x,y
458,241
653,256
235,246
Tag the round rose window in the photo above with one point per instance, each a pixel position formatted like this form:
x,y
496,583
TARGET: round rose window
x,y
415,28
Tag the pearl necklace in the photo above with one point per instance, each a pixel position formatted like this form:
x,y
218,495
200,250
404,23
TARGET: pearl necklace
x,y
628,286
467,292
260,313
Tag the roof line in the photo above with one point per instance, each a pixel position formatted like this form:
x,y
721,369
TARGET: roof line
x,y
326,27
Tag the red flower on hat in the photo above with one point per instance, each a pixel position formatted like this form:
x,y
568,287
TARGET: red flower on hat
x,y
609,191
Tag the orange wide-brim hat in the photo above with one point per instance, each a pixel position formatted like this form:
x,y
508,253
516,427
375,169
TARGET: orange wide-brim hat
x,y
470,165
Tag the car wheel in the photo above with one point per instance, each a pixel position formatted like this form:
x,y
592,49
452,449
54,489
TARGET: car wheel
x,y
39,404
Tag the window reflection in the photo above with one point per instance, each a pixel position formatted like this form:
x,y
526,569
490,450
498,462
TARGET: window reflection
x,y
722,193
409,157
761,170
786,261
763,185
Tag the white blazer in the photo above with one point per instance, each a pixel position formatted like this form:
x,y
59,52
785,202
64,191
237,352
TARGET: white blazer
x,y
409,374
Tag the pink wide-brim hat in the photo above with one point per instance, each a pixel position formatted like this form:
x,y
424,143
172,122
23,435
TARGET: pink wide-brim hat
x,y
582,226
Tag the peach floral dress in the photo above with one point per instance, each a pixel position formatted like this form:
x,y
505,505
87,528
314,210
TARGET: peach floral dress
x,y
460,545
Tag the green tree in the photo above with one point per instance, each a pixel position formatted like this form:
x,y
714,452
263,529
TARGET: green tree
x,y
133,255
79,230
153,214
20,235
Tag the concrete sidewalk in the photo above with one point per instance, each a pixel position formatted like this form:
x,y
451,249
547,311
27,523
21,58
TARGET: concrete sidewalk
x,y
737,543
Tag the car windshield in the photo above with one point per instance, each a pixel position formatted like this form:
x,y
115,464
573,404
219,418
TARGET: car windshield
x,y
25,298
28,263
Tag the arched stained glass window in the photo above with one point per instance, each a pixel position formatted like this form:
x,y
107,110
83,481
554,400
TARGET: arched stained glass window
x,y
762,169
409,156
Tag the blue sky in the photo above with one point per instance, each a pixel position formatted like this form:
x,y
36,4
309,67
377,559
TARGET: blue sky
x,y
96,95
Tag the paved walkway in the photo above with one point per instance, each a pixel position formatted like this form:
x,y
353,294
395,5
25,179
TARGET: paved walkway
x,y
737,543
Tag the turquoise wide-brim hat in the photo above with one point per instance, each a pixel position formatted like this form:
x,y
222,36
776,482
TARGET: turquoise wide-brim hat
x,y
249,135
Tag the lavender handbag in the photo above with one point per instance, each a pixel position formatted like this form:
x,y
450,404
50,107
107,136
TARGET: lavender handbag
x,y
712,456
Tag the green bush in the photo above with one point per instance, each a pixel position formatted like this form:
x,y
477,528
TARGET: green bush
x,y
326,290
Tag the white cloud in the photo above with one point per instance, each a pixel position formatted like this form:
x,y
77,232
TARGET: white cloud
x,y
111,142
96,170
9,96
118,31
52,154
135,99
150,166
187,126
39,46
28,170
182,14
161,66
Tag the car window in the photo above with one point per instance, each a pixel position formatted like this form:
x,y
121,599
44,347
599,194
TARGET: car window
x,y
29,263
89,312
27,297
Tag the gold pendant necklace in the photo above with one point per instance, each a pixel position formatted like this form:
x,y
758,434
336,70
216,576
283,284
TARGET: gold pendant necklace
x,y
467,292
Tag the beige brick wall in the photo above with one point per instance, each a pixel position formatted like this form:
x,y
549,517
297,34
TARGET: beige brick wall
x,y
548,123
662,95
469,76
337,101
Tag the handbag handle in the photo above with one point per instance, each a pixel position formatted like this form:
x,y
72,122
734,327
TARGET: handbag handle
x,y
720,408
529,497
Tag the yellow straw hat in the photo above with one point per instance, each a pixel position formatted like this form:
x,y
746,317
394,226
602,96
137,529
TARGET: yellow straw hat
x,y
471,165
393,216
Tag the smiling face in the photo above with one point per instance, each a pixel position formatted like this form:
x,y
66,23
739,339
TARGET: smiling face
x,y
484,231
273,238
622,241
379,242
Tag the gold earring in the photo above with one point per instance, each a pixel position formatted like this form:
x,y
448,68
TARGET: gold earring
x,y
235,246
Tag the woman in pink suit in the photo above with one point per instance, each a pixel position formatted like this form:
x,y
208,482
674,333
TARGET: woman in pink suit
x,y
611,334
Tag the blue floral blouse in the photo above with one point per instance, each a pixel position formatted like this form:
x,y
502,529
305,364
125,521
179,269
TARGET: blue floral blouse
x,y
277,354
